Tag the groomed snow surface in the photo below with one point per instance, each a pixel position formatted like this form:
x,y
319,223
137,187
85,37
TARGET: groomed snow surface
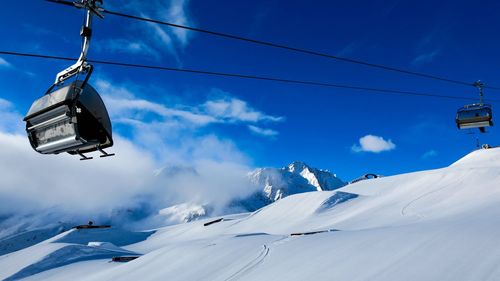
x,y
433,225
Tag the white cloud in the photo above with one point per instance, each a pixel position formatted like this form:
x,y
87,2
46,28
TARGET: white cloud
x,y
125,46
123,105
161,37
236,110
5,104
119,107
4,63
262,131
429,154
349,49
375,144
83,186
106,87
10,119
425,58
177,13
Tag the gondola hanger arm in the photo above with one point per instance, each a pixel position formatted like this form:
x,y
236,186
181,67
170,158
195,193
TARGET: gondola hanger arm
x,y
93,8
480,85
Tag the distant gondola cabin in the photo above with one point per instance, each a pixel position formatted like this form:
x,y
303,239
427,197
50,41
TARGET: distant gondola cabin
x,y
474,116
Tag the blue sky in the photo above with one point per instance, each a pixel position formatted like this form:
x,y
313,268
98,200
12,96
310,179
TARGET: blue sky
x,y
265,123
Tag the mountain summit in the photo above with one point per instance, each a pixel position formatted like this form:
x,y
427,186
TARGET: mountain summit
x,y
277,183
322,179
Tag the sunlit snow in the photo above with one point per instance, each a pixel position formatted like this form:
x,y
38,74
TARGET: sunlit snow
x,y
430,225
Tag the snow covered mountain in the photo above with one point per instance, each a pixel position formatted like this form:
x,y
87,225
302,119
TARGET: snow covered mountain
x,y
271,184
295,178
431,225
277,183
185,212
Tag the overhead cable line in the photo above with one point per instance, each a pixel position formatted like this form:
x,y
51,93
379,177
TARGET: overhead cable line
x,y
280,46
244,76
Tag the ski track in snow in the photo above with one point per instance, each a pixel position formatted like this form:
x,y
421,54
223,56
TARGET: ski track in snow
x,y
251,265
255,262
403,210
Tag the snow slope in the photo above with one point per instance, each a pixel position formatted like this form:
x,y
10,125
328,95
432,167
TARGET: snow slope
x,y
432,225
67,248
18,241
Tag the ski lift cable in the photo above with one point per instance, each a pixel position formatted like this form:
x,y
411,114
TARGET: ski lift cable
x,y
285,47
246,76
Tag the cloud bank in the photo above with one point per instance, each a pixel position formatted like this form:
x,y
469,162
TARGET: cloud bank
x,y
151,141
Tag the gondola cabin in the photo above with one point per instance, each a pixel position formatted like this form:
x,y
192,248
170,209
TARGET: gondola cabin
x,y
474,116
71,116
70,119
